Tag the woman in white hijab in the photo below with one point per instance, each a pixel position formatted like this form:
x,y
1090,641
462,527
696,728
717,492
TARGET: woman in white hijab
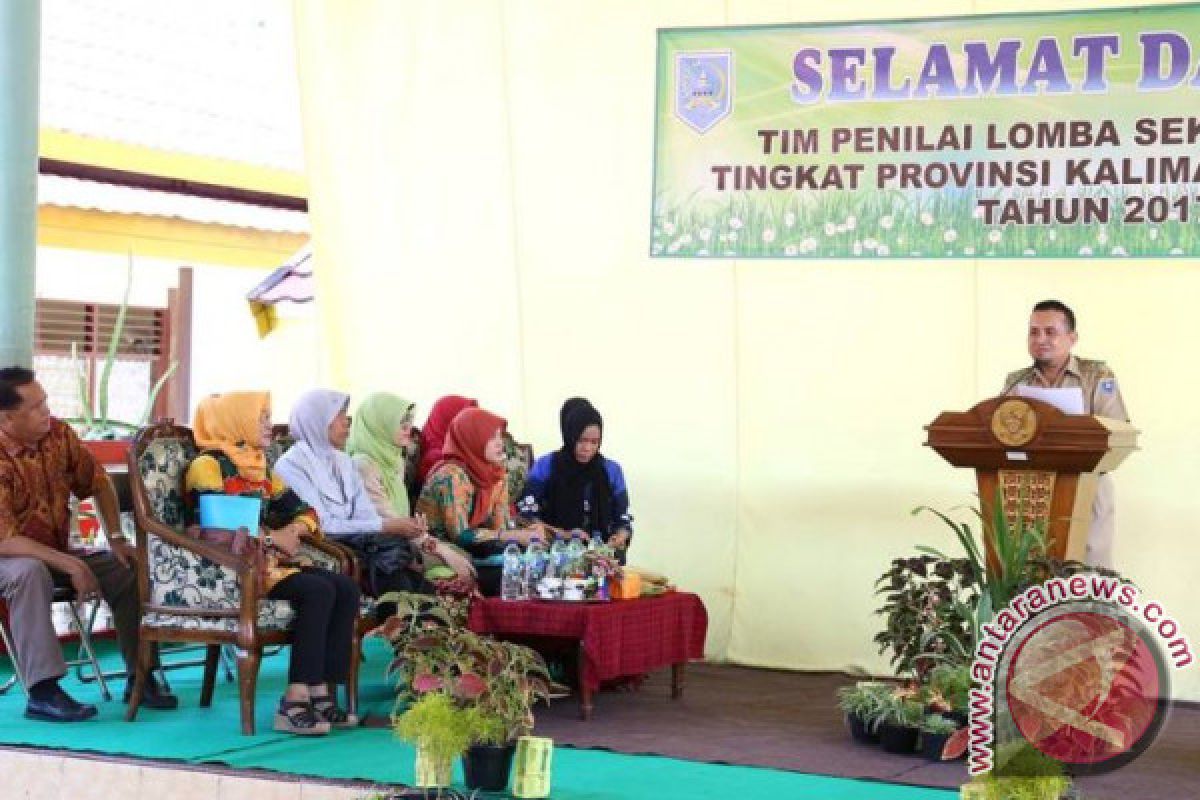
x,y
325,478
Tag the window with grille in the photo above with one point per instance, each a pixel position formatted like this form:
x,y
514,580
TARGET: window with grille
x,y
142,355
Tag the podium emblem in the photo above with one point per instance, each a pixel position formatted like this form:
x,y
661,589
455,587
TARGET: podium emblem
x,y
1014,422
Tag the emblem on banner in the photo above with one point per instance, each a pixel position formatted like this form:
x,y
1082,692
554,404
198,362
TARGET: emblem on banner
x,y
703,88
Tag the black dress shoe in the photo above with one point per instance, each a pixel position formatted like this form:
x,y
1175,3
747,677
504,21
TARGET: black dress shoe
x,y
60,707
153,696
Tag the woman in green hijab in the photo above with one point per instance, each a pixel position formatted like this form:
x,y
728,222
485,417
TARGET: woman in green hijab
x,y
380,434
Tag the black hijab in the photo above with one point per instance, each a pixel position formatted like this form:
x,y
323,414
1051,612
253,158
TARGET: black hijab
x,y
569,479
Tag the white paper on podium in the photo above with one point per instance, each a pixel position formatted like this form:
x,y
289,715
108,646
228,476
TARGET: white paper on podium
x,y
1068,401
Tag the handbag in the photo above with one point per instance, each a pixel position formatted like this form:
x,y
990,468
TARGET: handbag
x,y
241,544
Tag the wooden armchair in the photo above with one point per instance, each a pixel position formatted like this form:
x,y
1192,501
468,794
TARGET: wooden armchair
x,y
193,591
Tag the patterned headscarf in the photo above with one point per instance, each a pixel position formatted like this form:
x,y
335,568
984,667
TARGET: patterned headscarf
x,y
373,434
230,423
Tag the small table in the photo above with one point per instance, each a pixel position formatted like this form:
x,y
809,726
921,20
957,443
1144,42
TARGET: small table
x,y
616,639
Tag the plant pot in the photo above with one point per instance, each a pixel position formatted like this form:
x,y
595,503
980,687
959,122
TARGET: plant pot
x,y
898,738
859,731
932,745
487,767
433,772
109,452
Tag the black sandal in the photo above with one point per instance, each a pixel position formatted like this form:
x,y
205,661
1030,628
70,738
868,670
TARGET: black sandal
x,y
299,717
327,710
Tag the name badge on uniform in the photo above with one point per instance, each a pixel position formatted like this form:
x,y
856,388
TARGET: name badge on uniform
x,y
1108,387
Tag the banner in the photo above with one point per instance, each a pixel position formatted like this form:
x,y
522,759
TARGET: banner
x,y
1061,135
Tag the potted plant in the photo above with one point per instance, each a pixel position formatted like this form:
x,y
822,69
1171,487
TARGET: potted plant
x,y
861,703
950,691
935,730
899,721
108,439
440,731
928,611
1021,772
494,683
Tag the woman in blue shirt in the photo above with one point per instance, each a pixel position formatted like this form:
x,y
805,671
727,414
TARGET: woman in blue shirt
x,y
577,489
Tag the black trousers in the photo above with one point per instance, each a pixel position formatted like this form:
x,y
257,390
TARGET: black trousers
x,y
326,605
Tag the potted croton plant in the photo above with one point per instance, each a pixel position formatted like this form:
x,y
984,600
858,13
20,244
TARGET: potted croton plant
x,y
493,683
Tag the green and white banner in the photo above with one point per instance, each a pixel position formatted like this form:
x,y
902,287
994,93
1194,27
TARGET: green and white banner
x,y
1049,135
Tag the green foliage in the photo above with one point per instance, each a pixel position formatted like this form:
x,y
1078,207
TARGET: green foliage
x,y
882,223
938,725
865,700
437,725
1017,548
498,680
1023,772
929,612
951,684
486,727
901,710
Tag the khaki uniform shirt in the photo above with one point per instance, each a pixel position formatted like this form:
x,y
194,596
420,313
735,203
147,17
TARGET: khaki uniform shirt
x,y
1101,397
1101,393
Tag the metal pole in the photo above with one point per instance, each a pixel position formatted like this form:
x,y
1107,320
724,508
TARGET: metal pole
x,y
20,24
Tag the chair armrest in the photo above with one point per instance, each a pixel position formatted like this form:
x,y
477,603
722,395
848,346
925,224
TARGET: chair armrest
x,y
212,552
344,555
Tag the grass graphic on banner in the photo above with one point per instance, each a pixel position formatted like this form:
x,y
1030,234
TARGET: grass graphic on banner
x,y
892,223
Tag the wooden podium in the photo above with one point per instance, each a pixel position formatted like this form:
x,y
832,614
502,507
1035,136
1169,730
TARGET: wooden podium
x,y
1045,462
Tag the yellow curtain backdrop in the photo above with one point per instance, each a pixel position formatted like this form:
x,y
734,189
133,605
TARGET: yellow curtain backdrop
x,y
480,177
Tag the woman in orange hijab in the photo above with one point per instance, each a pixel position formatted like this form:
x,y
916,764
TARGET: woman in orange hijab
x,y
465,497
233,431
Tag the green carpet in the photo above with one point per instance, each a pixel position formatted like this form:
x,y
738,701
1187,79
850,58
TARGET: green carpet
x,y
197,735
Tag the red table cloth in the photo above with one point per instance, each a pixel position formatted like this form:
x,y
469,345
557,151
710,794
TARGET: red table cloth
x,y
622,637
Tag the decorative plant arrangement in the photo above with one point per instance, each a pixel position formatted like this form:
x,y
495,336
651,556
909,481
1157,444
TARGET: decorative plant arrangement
x,y
463,692
933,607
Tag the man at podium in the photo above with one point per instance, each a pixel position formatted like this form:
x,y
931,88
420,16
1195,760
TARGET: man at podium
x,y
1052,334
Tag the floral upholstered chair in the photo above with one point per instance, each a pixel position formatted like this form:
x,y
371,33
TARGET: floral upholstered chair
x,y
195,591
518,460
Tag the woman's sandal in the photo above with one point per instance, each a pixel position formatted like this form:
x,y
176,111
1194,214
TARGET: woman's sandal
x,y
299,717
327,710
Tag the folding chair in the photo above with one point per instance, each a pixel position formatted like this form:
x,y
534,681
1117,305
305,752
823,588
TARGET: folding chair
x,y
87,652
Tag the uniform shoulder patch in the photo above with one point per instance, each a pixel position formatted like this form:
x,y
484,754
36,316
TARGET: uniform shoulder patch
x,y
1108,386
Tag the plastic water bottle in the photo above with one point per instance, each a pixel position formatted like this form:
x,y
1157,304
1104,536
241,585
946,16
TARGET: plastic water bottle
x,y
558,558
575,553
512,576
535,566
